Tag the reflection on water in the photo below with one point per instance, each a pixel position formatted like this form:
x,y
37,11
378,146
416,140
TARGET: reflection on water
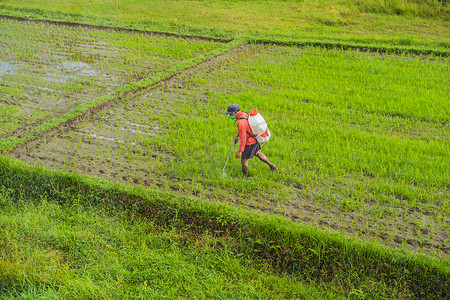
x,y
64,72
78,67
68,70
5,68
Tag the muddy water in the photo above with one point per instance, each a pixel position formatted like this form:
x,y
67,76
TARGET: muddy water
x,y
68,71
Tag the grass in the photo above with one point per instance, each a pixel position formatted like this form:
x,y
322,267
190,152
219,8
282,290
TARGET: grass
x,y
330,263
52,250
394,22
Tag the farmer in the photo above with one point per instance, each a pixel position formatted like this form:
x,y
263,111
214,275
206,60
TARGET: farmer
x,y
248,146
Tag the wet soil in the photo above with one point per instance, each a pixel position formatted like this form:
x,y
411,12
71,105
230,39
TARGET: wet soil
x,y
48,71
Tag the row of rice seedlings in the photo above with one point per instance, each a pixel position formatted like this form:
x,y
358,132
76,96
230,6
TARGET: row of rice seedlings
x,y
318,75
77,37
134,172
99,43
360,152
78,64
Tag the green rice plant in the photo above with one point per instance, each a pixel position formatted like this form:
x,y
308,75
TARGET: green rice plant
x,y
69,237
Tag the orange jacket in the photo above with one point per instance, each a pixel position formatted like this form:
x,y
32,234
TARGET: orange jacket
x,y
243,127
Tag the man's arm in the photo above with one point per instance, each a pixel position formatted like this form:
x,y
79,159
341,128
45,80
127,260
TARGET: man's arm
x,y
242,134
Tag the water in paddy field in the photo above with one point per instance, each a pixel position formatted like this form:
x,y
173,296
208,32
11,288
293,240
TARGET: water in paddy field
x,y
71,70
78,67
5,68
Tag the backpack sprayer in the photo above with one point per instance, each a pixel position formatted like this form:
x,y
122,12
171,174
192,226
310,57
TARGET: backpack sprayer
x,y
259,127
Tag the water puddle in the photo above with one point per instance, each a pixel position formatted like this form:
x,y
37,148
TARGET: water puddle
x,y
5,69
79,67
70,70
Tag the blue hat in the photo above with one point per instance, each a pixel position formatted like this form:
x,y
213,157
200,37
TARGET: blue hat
x,y
232,108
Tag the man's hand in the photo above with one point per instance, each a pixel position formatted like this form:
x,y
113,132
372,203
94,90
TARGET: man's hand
x,y
238,154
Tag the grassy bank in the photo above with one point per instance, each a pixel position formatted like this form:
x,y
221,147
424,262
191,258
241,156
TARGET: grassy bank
x,y
416,24
345,266
66,251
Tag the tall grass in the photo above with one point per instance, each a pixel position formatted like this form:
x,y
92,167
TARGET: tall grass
x,y
422,8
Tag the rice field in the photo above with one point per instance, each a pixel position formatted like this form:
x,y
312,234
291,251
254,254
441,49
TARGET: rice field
x,y
46,70
361,139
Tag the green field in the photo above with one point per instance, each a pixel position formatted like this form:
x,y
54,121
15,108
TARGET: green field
x,y
90,253
401,22
364,154
114,142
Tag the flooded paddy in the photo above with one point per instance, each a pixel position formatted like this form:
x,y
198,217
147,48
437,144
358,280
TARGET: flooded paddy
x,y
47,70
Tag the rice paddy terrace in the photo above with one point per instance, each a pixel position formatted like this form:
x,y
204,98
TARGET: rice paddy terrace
x,y
361,138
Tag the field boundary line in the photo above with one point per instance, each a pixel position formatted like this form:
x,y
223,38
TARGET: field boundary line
x,y
313,254
396,50
118,29
10,143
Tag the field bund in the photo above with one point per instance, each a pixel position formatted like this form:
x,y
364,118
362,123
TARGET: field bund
x,y
361,140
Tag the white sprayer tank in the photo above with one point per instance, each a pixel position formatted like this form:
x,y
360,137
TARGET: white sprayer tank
x,y
259,126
